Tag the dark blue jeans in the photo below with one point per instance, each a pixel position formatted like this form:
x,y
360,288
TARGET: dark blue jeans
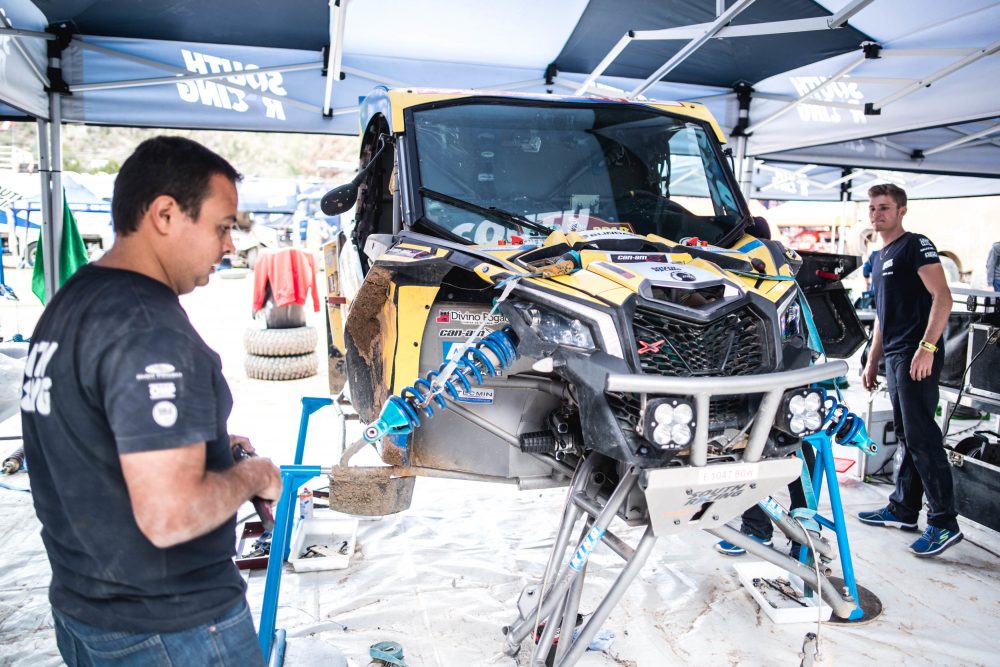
x,y
924,469
227,640
996,285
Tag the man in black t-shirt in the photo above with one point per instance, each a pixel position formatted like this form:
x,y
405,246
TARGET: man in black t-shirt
x,y
124,411
912,304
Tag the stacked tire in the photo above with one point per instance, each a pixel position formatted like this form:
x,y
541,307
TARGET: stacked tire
x,y
280,353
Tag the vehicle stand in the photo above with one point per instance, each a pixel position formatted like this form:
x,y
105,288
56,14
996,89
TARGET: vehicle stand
x,y
556,606
867,605
292,477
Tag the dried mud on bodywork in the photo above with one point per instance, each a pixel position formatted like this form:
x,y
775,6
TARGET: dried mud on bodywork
x,y
364,328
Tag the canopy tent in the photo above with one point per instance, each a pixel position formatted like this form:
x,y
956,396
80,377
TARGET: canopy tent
x,y
871,84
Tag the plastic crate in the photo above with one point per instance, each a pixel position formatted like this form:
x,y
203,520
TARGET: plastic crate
x,y
777,607
329,532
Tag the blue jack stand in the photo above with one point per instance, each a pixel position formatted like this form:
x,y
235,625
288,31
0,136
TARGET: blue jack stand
x,y
292,477
310,404
823,445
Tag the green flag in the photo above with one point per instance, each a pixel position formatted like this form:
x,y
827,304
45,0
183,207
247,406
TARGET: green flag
x,y
73,254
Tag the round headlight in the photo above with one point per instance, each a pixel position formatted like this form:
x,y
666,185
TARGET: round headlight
x,y
683,414
797,424
663,413
797,404
661,434
813,402
681,434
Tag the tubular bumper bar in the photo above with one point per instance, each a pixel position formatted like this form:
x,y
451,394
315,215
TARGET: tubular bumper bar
x,y
703,389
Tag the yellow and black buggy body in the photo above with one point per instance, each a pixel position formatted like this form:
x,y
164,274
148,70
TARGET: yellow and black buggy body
x,y
531,281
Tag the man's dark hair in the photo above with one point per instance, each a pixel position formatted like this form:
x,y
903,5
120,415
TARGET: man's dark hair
x,y
897,193
174,166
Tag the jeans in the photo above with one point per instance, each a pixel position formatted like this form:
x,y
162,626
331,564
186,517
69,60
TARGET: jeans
x,y
996,285
228,640
924,469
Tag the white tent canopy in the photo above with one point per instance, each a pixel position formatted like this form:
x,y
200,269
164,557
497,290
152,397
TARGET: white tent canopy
x,y
905,85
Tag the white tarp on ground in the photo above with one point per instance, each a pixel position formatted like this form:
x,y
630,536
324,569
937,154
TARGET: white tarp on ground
x,y
442,578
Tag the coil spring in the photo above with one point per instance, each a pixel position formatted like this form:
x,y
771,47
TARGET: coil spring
x,y
847,429
401,414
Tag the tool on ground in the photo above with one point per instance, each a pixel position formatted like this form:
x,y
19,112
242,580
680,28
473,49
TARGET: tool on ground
x,y
14,462
261,506
760,582
387,653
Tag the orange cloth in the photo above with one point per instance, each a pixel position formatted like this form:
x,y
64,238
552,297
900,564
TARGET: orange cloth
x,y
291,273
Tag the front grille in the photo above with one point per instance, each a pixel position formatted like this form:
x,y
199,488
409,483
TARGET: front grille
x,y
733,344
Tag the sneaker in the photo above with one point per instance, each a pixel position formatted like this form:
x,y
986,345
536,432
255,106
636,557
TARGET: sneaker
x,y
883,517
730,549
934,541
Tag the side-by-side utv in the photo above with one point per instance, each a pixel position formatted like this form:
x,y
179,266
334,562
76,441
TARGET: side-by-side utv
x,y
567,291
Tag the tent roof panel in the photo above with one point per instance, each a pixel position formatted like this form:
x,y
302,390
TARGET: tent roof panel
x,y
721,62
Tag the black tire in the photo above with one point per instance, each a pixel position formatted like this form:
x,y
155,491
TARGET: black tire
x,y
281,368
29,253
280,342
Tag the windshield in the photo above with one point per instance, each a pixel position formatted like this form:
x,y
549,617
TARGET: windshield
x,y
573,168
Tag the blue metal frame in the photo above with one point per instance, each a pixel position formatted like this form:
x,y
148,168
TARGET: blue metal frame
x,y
292,477
310,404
825,464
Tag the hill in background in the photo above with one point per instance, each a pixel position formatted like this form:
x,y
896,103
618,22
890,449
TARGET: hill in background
x,y
89,148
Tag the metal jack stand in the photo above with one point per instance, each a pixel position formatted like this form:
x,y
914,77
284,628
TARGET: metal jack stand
x,y
292,477
556,606
868,605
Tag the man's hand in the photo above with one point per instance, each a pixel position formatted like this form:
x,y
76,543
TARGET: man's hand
x,y
243,442
174,499
869,376
269,475
920,367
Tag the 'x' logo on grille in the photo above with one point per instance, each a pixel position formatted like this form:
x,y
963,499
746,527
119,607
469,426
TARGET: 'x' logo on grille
x,y
645,347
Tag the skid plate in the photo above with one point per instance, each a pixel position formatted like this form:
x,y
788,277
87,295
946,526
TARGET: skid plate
x,y
680,499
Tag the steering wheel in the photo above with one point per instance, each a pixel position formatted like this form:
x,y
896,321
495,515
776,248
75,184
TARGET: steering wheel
x,y
637,199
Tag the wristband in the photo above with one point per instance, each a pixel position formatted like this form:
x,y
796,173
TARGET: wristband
x,y
930,347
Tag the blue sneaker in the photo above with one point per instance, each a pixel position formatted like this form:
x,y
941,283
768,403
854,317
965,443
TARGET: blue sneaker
x,y
730,549
883,517
934,541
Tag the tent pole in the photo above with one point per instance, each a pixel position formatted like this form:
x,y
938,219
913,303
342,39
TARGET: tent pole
x,y
338,16
744,95
691,46
45,196
979,54
53,268
744,163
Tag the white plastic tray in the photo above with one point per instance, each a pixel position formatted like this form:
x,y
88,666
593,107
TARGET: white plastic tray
x,y
777,607
331,532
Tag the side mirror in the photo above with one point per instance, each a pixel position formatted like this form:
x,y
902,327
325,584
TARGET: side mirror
x,y
340,199
759,228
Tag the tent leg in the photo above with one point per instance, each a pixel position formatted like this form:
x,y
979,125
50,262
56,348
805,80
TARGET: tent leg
x,y
744,166
44,175
52,268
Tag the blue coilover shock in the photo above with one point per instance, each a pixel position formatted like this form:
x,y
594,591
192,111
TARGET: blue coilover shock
x,y
848,429
401,414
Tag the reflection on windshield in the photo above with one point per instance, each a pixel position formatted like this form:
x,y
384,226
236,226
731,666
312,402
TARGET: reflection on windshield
x,y
572,167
